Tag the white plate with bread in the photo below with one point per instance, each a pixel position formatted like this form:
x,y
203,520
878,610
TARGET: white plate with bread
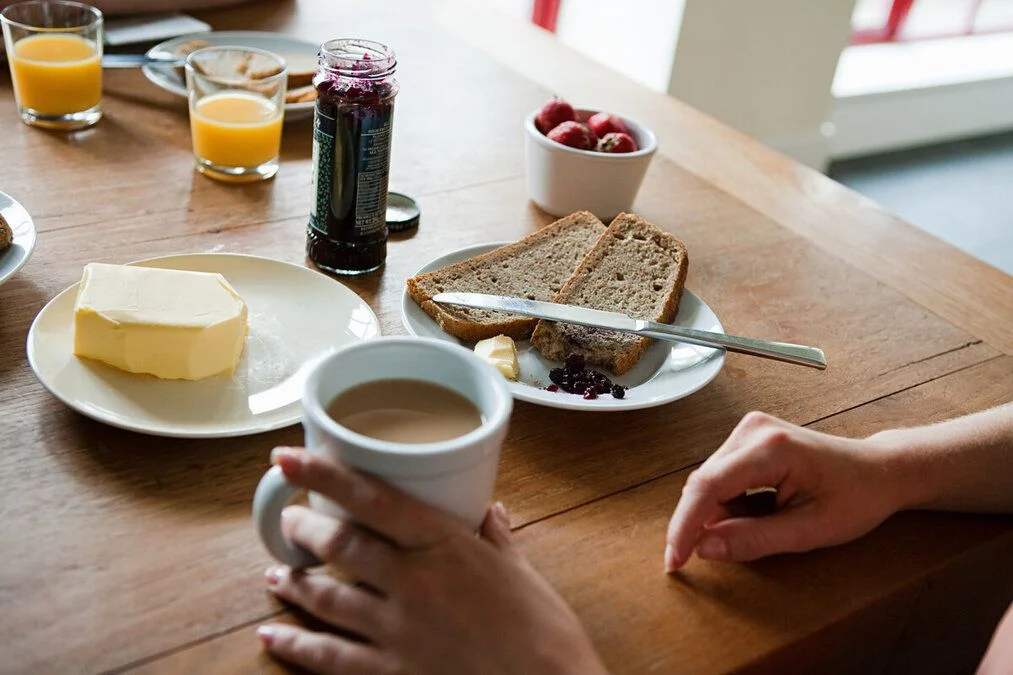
x,y
631,267
300,57
17,237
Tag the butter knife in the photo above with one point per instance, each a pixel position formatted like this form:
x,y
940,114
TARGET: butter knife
x,y
595,318
138,60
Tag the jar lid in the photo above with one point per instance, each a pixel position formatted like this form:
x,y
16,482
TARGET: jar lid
x,y
402,212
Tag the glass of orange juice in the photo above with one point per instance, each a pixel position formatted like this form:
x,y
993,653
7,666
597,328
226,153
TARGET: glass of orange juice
x,y
55,53
237,105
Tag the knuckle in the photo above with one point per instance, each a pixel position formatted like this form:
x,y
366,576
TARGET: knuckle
x,y
372,498
774,438
700,481
755,418
338,541
329,600
321,654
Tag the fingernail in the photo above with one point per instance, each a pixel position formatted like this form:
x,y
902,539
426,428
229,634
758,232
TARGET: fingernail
x,y
274,574
501,513
671,561
713,548
279,452
266,634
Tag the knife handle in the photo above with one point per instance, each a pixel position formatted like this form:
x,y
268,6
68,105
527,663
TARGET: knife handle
x,y
779,351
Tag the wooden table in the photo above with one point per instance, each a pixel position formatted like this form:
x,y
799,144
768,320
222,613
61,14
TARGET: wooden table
x,y
128,553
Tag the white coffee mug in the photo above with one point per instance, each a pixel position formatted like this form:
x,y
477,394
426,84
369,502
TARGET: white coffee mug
x,y
457,475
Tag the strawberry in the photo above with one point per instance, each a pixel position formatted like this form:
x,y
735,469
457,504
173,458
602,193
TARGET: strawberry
x,y
574,135
602,123
552,114
617,142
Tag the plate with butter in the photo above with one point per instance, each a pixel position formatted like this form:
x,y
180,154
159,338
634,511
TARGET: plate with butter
x,y
193,346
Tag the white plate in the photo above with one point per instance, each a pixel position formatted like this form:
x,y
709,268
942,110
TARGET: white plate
x,y
295,314
667,371
287,47
17,254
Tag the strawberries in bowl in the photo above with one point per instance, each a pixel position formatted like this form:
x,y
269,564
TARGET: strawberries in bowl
x,y
616,142
574,135
558,121
570,167
552,114
603,123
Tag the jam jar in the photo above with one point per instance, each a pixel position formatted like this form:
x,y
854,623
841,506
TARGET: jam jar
x,y
355,85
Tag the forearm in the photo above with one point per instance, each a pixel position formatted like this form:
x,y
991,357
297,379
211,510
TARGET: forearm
x,y
965,464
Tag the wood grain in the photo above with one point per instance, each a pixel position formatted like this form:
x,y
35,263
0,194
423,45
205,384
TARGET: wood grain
x,y
122,547
866,607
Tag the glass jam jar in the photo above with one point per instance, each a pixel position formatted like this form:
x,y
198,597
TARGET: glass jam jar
x,y
355,85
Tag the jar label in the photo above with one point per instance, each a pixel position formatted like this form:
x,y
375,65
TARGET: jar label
x,y
323,167
374,170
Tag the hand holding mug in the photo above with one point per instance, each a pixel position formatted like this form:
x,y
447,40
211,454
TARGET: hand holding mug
x,y
433,597
456,474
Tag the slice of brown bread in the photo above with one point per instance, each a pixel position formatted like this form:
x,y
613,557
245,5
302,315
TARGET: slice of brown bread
x,y
534,267
636,268
6,235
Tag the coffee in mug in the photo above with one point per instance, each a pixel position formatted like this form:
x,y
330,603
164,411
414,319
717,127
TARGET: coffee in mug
x,y
357,404
405,411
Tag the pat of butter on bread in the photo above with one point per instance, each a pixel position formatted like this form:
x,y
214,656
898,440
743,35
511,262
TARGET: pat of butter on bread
x,y
501,352
172,324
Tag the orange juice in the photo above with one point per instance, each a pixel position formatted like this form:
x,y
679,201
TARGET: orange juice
x,y
56,74
236,129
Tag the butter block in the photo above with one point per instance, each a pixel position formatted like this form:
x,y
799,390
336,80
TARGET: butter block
x,y
173,324
501,352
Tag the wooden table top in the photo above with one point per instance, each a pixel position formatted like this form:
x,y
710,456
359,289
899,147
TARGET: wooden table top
x,y
129,553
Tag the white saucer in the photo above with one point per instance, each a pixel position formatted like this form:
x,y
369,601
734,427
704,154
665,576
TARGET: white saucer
x,y
287,47
667,371
14,257
296,315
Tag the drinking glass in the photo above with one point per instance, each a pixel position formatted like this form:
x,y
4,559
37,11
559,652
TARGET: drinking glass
x,y
237,105
55,52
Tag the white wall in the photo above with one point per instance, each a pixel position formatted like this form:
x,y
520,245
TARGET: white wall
x,y
635,37
518,8
764,67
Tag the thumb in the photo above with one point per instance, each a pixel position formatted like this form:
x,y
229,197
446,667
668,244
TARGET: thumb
x,y
496,527
751,538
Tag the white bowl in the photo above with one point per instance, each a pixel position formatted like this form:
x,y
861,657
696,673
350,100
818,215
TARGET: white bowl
x,y
562,179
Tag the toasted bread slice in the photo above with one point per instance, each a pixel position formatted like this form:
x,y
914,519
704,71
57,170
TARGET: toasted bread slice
x,y
6,235
301,95
636,268
183,50
534,267
301,69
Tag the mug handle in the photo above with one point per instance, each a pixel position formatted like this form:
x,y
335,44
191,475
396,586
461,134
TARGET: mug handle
x,y
273,493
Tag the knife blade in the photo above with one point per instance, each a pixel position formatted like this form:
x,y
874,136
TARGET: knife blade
x,y
138,60
596,318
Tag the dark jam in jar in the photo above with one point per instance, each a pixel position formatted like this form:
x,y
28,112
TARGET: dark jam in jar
x,y
356,87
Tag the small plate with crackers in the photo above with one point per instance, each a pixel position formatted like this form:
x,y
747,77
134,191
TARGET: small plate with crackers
x,y
300,57
17,237
631,266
